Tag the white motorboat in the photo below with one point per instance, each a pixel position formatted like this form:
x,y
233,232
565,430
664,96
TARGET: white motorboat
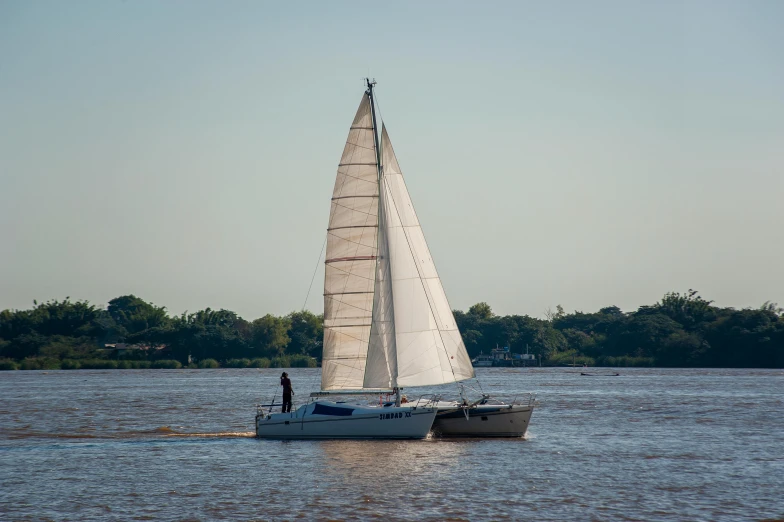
x,y
482,361
387,321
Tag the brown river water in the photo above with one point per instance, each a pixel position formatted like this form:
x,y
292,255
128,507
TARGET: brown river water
x,y
650,444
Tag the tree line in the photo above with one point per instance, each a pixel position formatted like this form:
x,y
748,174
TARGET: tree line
x,y
76,334
681,330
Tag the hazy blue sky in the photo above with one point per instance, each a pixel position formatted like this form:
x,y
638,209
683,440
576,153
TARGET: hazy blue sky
x,y
582,153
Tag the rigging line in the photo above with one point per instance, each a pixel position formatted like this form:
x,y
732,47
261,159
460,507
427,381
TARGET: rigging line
x,y
378,103
318,262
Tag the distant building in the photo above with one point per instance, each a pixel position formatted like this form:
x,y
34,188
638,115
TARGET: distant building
x,y
125,348
503,357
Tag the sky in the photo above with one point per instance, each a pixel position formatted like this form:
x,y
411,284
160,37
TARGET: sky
x,y
586,154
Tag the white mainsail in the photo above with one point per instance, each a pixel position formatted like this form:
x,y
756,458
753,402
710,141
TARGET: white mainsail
x,y
427,347
351,258
387,322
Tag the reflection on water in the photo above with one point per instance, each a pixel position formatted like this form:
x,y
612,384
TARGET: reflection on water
x,y
363,461
160,444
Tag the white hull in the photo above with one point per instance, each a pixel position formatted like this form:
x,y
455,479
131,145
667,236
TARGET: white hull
x,y
331,420
488,420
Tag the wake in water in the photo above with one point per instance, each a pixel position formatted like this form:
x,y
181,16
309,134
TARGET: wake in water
x,y
166,431
162,431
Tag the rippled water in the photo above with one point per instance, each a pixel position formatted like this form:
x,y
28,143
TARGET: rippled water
x,y
649,444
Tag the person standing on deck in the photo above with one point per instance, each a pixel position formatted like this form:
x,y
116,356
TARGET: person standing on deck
x,y
287,392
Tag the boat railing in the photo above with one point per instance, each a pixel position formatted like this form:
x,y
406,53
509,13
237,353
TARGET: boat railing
x,y
525,399
428,400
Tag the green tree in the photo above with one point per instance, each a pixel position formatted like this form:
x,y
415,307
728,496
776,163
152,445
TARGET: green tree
x,y
688,309
133,315
482,311
306,334
269,336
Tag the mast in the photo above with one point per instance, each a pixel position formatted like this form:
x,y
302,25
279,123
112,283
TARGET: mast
x,y
381,208
369,92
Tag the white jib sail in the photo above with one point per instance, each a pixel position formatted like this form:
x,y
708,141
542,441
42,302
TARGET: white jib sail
x,y
381,368
351,258
427,348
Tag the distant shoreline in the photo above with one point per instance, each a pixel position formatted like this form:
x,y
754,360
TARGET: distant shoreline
x,y
679,331
176,365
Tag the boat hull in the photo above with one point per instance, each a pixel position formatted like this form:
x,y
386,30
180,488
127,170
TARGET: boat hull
x,y
330,420
482,421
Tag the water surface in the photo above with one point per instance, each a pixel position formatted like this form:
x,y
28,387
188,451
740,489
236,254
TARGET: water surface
x,y
650,444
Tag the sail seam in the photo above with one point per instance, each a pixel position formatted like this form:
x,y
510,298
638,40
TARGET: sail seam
x,y
355,307
353,337
334,267
360,146
356,145
355,258
350,337
350,326
346,174
352,226
358,243
338,205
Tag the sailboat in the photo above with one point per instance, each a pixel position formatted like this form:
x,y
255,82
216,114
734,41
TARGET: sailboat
x,y
387,321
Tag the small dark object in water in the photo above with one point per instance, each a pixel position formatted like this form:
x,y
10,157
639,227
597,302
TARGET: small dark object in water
x,y
600,374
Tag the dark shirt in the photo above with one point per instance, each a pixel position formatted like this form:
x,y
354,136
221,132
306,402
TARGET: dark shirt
x,y
286,383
